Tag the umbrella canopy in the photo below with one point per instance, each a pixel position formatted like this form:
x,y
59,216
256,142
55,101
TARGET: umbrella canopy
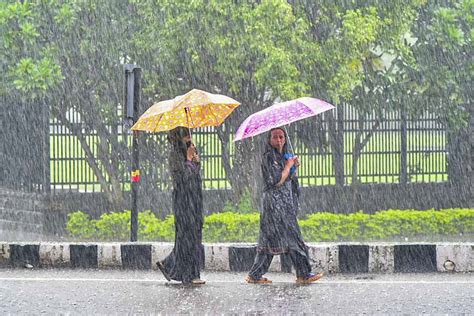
x,y
194,109
281,114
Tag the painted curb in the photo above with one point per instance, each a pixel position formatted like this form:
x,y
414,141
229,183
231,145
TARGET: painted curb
x,y
238,257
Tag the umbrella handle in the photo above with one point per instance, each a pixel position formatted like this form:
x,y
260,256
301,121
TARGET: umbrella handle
x,y
289,142
186,109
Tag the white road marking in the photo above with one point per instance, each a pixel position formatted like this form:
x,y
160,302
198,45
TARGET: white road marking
x,y
233,282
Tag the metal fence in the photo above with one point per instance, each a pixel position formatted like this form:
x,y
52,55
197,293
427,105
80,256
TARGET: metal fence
x,y
398,150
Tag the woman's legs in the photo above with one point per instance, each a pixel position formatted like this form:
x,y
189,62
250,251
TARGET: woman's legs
x,y
260,265
301,263
185,260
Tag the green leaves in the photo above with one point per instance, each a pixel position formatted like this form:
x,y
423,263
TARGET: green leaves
x,y
252,50
28,32
373,56
231,227
66,15
17,25
360,27
116,226
232,47
236,227
387,225
36,76
443,53
29,63
80,226
447,28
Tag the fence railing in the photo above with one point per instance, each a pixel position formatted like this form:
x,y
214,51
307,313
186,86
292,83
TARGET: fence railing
x,y
397,150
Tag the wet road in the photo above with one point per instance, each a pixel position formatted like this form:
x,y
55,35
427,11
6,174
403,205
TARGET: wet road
x,y
124,292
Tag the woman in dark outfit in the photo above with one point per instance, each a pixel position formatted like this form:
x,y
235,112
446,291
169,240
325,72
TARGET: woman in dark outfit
x,y
279,229
183,264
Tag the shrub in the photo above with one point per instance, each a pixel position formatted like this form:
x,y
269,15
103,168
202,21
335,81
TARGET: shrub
x,y
231,227
237,227
387,224
113,226
116,226
80,225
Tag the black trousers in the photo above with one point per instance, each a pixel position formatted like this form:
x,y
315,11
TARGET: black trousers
x,y
263,260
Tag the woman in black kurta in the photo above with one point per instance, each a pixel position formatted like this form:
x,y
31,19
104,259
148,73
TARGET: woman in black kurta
x,y
183,264
279,229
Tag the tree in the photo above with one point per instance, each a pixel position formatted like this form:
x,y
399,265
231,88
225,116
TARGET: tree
x,y
259,52
374,57
443,76
360,43
68,54
245,49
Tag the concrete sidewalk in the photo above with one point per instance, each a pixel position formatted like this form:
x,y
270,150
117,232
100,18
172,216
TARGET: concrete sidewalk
x,y
326,257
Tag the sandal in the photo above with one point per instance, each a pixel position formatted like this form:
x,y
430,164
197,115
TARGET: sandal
x,y
310,278
198,282
262,280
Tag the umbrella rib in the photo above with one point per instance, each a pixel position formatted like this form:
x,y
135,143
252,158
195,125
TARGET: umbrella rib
x,y
158,122
215,118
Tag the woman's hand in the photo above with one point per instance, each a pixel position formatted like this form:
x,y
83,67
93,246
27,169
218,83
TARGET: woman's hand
x,y
192,154
196,157
290,162
297,162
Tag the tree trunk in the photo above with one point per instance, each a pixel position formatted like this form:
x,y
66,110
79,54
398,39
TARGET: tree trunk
x,y
459,147
336,135
245,171
111,188
359,144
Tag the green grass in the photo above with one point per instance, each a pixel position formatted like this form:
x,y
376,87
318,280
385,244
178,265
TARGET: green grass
x,y
373,167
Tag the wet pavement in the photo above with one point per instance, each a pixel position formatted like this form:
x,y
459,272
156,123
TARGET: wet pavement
x,y
24,291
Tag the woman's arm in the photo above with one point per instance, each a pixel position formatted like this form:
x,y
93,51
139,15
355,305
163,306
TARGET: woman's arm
x,y
286,171
272,173
297,164
180,166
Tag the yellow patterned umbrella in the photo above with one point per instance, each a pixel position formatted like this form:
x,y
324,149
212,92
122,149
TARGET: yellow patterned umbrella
x,y
194,109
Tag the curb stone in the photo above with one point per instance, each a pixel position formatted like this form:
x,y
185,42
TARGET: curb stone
x,y
326,257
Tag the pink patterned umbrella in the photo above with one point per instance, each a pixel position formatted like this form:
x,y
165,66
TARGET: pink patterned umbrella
x,y
281,114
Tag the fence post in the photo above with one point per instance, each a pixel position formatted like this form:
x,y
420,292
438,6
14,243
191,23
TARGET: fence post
x,y
403,145
46,185
339,156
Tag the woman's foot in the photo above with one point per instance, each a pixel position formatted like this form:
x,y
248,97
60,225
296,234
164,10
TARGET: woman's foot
x,y
161,266
262,280
198,282
310,278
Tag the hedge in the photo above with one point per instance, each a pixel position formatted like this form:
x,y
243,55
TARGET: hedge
x,y
236,227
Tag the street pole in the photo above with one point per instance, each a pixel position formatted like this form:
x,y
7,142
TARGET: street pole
x,y
132,112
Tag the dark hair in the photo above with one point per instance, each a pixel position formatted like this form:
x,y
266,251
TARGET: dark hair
x,y
177,134
178,146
